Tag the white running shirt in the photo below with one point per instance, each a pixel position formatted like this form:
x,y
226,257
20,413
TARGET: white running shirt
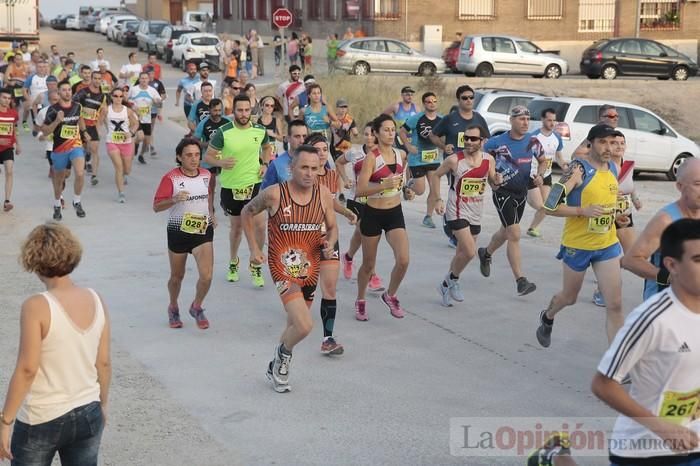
x,y
551,145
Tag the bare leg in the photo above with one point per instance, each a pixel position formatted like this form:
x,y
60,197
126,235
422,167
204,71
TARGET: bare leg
x,y
369,260
234,236
79,169
433,195
355,241
94,156
571,286
177,273
536,200
204,256
609,278
118,169
9,172
398,240
466,249
299,321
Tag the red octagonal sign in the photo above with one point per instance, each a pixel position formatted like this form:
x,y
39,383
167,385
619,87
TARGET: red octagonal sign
x,y
282,18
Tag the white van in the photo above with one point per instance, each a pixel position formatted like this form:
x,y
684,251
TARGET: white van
x,y
196,19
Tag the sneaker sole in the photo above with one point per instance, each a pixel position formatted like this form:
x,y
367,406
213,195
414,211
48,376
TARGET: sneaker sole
x,y
178,325
442,295
381,289
279,388
334,352
527,290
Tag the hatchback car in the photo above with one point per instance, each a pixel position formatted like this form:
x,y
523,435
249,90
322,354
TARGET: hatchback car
x,y
495,105
485,55
73,22
118,19
651,142
450,56
361,56
195,47
167,38
610,58
148,33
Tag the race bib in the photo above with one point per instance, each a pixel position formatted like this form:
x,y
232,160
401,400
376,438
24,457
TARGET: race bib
x,y
143,111
471,187
106,88
69,132
680,408
600,225
429,156
194,224
19,92
548,164
7,129
88,113
460,139
119,137
243,194
624,204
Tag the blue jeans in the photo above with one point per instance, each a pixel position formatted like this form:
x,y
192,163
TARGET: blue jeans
x,y
75,436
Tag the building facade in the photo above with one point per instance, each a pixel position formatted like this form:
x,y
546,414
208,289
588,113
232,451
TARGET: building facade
x,y
168,10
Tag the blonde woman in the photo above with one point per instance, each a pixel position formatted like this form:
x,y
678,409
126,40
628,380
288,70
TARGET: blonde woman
x,y
57,398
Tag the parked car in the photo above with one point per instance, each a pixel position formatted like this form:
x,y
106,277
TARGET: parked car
x,y
168,36
195,47
487,54
126,34
450,56
106,20
651,142
495,105
147,33
195,19
118,19
609,58
362,56
73,22
59,22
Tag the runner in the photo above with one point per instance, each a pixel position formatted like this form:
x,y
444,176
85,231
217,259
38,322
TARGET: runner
x,y
9,144
271,121
16,75
590,189
200,109
279,170
470,170
644,258
156,109
131,72
141,99
205,131
607,115
302,99
185,85
381,179
153,63
122,124
65,123
552,145
297,210
657,349
34,86
422,153
184,191
53,99
99,60
42,99
243,151
93,103
84,81
402,110
345,130
109,80
289,90
196,89
357,204
317,116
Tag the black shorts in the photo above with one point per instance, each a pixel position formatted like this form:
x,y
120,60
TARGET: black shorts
x,y
7,154
510,207
357,208
180,242
374,221
460,224
214,170
420,171
147,128
547,181
631,224
92,132
232,206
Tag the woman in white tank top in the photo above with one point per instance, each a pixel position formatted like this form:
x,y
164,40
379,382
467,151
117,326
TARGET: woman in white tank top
x,y
58,393
122,125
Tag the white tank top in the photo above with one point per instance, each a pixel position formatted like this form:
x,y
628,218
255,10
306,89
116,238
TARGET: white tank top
x,y
118,131
67,376
465,198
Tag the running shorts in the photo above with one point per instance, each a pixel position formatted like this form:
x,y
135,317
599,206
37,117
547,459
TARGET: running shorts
x,y
420,171
125,150
180,242
146,128
233,200
62,160
374,221
461,223
7,155
92,132
579,259
510,207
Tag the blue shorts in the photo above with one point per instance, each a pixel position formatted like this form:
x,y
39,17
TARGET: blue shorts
x,y
60,159
579,259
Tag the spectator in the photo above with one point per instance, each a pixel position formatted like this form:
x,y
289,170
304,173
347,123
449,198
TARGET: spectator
x,y
277,41
348,34
308,53
261,56
251,92
252,52
332,48
208,23
293,49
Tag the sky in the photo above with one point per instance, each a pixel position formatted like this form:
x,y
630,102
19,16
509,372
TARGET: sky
x,y
52,8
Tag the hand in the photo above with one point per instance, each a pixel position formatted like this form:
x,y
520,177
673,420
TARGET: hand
x,y
352,218
257,257
622,221
410,194
594,210
227,163
18,151
5,453
449,148
440,207
263,169
212,220
347,184
537,180
676,437
181,196
498,179
59,116
328,250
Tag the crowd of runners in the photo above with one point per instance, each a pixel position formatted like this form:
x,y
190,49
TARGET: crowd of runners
x,y
288,163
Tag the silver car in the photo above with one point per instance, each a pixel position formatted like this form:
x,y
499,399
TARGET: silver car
x,y
486,54
360,56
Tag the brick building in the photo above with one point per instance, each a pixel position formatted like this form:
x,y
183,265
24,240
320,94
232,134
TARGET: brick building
x,y
168,10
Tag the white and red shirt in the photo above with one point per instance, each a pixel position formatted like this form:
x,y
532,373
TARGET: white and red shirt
x,y
197,203
288,91
382,170
465,198
8,124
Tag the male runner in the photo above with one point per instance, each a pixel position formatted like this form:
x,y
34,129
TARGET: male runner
x,y
402,111
587,196
142,98
289,90
470,170
99,60
297,211
205,131
34,86
200,109
657,348
185,85
85,78
131,72
92,102
423,155
156,84
644,258
242,150
65,123
279,170
196,89
42,98
513,151
9,144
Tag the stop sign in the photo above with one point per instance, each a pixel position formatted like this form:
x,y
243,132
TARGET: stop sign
x,y
282,18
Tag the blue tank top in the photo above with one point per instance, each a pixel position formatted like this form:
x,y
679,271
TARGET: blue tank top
x,y
316,121
650,286
402,115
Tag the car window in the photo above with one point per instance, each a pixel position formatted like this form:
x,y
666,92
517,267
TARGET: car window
x,y
374,45
651,48
669,51
536,107
477,98
395,47
157,28
631,47
587,114
500,105
205,41
504,45
358,45
467,43
646,122
195,17
488,44
519,100
615,47
528,47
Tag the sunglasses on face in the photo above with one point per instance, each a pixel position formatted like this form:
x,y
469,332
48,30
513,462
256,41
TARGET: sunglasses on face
x,y
473,138
236,88
466,97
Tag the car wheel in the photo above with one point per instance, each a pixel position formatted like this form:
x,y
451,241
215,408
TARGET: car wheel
x,y
673,171
552,72
427,69
680,73
360,68
609,72
484,70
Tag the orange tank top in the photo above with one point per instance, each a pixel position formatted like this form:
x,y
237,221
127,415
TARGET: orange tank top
x,y
330,181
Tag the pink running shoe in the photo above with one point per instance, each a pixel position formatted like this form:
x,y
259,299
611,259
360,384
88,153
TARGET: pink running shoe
x,y
360,312
392,303
347,266
375,284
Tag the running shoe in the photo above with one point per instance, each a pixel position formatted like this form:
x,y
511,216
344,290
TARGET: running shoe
x,y
347,266
544,332
444,293
330,346
484,262
174,317
232,275
79,211
524,286
428,222
94,180
122,198
256,275
279,388
392,302
598,299
7,206
88,168
452,242
455,289
280,366
57,215
198,315
375,284
153,152
360,311
142,161
25,126
534,232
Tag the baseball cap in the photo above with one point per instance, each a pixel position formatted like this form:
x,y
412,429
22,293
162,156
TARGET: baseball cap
x,y
51,79
518,111
204,65
407,90
341,103
601,131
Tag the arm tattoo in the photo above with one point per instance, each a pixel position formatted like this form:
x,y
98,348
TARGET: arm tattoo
x,y
258,203
574,166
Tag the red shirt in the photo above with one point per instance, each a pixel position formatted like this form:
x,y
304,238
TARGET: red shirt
x,y
156,69
8,124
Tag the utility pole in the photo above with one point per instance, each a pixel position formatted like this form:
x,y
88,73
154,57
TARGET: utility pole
x,y
638,18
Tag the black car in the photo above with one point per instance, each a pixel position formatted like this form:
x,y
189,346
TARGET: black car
x,y
127,35
59,22
610,58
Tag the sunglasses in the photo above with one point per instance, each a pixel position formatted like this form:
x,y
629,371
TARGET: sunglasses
x,y
466,97
473,138
236,88
612,116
